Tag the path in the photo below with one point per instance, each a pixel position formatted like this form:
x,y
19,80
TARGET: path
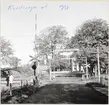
x,y
67,93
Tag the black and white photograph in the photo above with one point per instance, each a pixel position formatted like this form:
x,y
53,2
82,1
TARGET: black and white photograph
x,y
54,52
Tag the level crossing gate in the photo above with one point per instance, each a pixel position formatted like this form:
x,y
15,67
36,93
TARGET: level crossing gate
x,y
62,65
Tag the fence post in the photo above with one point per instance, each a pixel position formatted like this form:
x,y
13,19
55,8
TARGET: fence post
x,y
21,89
50,74
10,85
50,69
26,82
72,65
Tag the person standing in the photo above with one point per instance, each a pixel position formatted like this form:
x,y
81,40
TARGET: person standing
x,y
10,82
11,79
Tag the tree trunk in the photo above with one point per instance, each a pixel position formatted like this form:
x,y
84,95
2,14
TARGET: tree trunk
x,y
87,72
80,67
47,58
52,54
96,71
91,69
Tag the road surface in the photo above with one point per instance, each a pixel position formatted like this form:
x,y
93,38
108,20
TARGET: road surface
x,y
67,94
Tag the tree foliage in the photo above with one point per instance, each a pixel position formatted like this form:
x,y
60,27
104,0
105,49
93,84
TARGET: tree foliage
x,y
90,35
93,32
6,53
49,38
14,61
6,50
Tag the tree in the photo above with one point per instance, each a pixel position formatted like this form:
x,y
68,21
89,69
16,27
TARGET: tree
x,y
49,38
6,50
6,53
90,35
14,61
26,70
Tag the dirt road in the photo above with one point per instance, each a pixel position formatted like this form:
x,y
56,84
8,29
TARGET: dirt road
x,y
67,93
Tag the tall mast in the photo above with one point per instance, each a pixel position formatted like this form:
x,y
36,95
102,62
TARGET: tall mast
x,y
35,32
36,52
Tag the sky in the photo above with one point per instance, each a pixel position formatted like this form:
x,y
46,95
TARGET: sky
x,y
18,20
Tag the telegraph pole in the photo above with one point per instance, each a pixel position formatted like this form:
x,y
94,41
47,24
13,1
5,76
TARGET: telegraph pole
x,y
35,31
35,41
98,63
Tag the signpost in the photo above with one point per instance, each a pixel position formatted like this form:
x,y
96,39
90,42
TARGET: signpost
x,y
34,67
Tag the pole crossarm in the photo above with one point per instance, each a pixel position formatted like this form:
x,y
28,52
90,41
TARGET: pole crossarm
x,y
66,50
72,58
71,50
